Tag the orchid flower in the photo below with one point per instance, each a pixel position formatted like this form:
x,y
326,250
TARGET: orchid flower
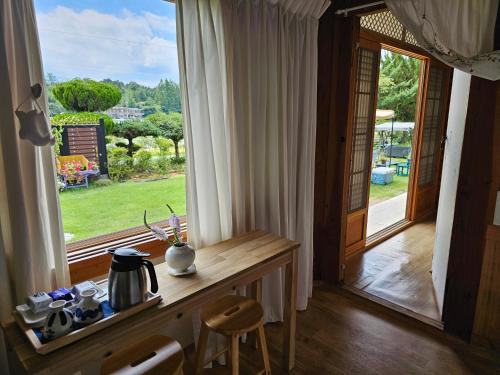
x,y
161,234
158,232
175,224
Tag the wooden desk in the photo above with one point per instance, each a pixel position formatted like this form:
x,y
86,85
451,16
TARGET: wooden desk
x,y
221,268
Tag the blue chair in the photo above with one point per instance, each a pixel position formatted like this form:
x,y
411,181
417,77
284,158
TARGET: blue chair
x,y
403,169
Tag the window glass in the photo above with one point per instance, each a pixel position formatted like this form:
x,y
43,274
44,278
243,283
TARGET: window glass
x,y
112,80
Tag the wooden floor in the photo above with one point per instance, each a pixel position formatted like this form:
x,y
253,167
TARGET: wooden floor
x,y
398,270
341,333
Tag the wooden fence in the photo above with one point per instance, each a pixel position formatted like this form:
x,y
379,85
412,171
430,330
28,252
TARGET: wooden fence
x,y
87,140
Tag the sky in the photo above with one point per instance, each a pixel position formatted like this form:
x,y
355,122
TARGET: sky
x,y
127,40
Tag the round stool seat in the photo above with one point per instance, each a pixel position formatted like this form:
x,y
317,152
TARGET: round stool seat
x,y
153,355
232,315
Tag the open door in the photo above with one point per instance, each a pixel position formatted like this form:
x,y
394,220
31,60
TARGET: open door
x,y
429,140
360,137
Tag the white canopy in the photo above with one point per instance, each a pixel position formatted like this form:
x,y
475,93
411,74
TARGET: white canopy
x,y
384,114
398,126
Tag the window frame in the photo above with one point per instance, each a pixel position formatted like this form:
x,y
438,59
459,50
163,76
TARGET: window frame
x,y
88,259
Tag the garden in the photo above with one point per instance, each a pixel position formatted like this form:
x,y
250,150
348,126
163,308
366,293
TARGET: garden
x,y
145,162
393,136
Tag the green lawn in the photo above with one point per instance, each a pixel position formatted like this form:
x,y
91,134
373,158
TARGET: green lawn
x,y
100,210
379,193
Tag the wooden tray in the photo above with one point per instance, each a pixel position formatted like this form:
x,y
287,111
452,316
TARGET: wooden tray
x,y
79,334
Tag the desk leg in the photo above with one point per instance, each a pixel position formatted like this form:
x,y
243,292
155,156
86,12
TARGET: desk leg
x,y
290,313
256,294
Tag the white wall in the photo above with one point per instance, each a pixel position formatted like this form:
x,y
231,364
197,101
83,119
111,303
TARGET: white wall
x,y
449,181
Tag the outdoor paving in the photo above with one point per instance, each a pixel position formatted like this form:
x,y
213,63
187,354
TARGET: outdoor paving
x,y
385,213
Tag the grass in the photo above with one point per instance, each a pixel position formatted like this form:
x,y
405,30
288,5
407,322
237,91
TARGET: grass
x,y
100,210
379,193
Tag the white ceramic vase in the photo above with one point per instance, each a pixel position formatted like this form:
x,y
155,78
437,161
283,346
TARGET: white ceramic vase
x,y
88,310
180,258
59,321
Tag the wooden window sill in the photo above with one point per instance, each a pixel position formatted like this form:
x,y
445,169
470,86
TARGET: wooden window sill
x,y
89,259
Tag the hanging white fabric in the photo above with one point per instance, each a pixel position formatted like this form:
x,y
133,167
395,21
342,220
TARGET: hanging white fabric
x,y
461,33
32,249
248,81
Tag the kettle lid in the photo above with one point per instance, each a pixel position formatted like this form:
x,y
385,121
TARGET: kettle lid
x,y
128,252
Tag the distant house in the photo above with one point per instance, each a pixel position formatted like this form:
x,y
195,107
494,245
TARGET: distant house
x,y
125,113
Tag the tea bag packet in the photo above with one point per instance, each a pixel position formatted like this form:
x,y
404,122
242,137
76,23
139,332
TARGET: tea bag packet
x,y
61,294
39,302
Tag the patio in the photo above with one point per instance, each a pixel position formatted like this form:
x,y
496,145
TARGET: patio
x,y
386,213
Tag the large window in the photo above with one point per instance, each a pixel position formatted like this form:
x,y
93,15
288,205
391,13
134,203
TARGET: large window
x,y
114,101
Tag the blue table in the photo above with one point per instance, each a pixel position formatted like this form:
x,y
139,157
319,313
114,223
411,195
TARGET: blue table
x,y
403,169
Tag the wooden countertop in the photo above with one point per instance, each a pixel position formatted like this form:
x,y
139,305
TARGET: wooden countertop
x,y
220,268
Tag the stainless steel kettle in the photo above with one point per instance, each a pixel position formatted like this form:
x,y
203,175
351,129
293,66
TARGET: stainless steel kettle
x,y
127,283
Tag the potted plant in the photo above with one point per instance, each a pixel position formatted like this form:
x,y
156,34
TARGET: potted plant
x,y
179,256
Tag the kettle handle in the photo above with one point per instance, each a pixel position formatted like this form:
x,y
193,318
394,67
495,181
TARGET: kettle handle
x,y
152,275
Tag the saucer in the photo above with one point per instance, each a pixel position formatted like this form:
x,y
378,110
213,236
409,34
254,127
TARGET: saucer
x,y
190,270
31,318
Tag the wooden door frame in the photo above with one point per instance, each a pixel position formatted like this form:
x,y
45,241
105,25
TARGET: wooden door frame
x,y
337,34
375,41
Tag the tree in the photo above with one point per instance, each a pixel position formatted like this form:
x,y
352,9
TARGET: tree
x,y
170,126
398,85
167,94
87,95
132,129
54,106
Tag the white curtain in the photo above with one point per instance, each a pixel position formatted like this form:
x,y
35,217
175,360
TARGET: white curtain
x,y
32,250
461,33
248,81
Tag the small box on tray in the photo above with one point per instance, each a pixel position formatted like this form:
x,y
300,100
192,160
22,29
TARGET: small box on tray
x,y
61,294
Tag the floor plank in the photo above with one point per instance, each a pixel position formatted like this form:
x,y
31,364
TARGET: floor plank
x,y
341,333
398,270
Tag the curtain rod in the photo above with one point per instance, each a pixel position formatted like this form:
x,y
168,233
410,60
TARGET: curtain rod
x,y
347,10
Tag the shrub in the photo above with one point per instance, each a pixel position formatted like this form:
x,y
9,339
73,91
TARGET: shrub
x,y
103,182
143,162
83,118
120,165
124,145
57,132
86,95
170,126
164,144
178,163
163,164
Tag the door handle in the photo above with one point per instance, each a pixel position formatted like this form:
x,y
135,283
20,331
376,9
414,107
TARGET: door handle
x,y
443,142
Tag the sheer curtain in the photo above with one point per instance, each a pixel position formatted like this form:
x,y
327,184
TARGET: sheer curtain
x,y
461,33
248,78
32,250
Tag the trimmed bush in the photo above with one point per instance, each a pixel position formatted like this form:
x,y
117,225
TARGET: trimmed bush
x,y
143,162
86,95
83,118
120,165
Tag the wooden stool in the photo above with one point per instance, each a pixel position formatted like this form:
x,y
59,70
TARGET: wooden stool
x,y
154,355
231,316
